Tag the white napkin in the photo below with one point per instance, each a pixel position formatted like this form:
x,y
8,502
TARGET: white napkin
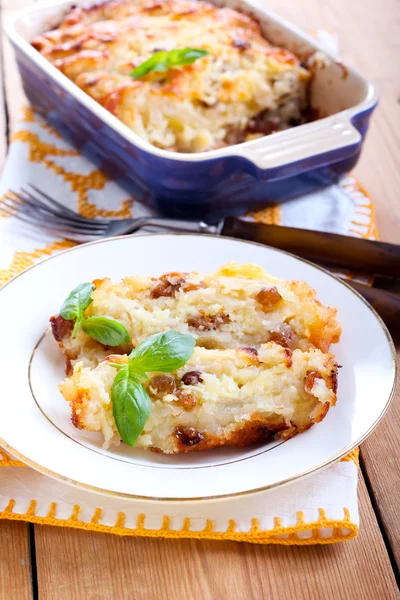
x,y
321,508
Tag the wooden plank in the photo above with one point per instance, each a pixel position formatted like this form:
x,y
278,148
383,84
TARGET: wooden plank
x,y
380,458
80,564
15,563
361,28
379,172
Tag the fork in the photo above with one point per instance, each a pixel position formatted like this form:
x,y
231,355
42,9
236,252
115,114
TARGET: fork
x,y
34,207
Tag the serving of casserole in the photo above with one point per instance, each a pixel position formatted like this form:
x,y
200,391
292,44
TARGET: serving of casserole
x,y
239,88
226,359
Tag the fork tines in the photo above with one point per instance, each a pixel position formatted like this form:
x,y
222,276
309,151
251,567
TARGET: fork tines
x,y
34,207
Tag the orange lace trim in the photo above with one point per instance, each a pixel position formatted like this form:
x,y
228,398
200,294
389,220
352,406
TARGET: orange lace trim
x,y
343,529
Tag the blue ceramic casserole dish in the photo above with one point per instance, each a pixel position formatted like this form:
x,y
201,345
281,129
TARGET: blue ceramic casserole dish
x,y
206,184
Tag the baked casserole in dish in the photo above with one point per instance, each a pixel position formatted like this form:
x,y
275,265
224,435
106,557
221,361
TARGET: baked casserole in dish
x,y
241,89
193,140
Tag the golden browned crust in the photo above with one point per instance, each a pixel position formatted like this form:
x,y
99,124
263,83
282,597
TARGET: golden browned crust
x,y
257,430
98,46
76,407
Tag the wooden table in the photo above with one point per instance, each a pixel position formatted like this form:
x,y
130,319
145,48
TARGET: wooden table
x,y
48,562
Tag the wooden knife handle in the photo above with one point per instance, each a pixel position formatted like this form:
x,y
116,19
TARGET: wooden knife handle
x,y
331,249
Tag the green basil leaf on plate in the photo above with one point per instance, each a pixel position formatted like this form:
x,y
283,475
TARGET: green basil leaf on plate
x,y
77,301
106,331
163,352
131,403
131,406
163,60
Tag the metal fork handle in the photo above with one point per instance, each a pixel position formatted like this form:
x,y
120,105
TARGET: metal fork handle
x,y
171,224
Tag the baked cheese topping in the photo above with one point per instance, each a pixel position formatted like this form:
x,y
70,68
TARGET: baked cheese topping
x,y
243,88
219,398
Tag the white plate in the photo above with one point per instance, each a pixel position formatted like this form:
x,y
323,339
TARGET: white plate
x,y
34,419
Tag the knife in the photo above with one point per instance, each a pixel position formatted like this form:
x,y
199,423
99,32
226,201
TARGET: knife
x,y
330,249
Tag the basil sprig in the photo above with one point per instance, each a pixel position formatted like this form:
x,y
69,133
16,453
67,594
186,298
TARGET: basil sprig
x,y
103,329
163,60
76,303
131,403
131,406
162,352
106,331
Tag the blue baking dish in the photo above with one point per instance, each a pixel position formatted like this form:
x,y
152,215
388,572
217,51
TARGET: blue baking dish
x,y
273,168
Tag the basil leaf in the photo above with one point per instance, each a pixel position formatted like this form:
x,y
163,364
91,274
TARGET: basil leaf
x,y
131,403
162,60
186,56
77,301
106,331
163,352
157,62
131,406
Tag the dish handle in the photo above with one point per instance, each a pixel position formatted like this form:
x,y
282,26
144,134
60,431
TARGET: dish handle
x,y
309,146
